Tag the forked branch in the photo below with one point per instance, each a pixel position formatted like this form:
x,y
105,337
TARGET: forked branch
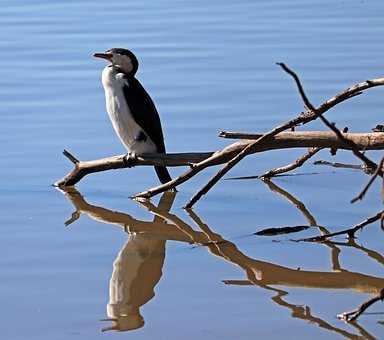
x,y
365,141
234,153
312,113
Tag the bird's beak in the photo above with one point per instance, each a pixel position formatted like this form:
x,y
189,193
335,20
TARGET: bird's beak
x,y
107,56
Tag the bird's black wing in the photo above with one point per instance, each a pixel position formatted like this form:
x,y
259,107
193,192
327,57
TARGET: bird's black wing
x,y
144,112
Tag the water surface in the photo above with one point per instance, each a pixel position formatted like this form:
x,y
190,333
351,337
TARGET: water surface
x,y
209,66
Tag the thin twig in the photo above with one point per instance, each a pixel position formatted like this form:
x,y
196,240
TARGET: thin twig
x,y
338,133
301,119
304,97
71,157
294,165
339,165
361,195
355,150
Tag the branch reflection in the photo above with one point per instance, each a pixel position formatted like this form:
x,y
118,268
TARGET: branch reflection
x,y
138,266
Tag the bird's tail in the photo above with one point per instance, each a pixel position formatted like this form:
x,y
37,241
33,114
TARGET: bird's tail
x,y
163,174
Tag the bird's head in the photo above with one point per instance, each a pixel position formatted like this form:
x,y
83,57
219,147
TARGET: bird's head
x,y
121,58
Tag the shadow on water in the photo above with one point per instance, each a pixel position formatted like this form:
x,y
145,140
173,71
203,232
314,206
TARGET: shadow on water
x,y
138,266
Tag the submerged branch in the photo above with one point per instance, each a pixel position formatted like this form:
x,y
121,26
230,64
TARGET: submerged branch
x,y
353,315
350,231
340,165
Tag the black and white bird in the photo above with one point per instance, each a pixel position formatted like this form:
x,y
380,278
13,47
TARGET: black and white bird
x,y
130,108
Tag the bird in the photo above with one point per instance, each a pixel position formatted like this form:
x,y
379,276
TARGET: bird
x,y
130,108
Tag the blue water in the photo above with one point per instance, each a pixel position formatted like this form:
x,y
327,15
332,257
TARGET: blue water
x,y
209,66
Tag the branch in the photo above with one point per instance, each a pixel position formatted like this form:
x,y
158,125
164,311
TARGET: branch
x,y
369,163
83,168
361,195
303,118
353,315
296,164
325,139
232,154
300,88
365,141
338,133
71,157
340,165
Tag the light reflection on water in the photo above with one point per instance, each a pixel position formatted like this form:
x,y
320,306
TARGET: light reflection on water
x,y
209,66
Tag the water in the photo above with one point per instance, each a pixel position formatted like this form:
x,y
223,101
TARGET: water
x,y
209,66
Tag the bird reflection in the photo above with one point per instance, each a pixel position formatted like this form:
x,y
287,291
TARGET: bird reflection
x,y
138,266
136,271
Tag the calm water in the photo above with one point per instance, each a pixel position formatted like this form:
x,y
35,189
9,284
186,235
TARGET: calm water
x,y
210,66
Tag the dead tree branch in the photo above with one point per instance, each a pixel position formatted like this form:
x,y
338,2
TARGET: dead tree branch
x,y
83,168
347,142
296,164
361,195
230,155
332,127
365,141
340,165
303,118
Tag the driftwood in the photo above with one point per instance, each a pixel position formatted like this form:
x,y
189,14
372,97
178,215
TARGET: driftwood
x,y
83,168
310,114
296,164
276,139
284,140
234,153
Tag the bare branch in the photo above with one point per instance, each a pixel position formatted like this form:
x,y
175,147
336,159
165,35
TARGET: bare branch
x,y
361,195
304,97
303,118
83,168
71,157
340,165
338,133
296,164
352,145
199,161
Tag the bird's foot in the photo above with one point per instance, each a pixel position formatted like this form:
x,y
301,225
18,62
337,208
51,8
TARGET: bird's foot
x,y
130,159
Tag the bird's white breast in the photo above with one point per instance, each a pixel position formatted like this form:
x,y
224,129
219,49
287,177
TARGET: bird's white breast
x,y
119,113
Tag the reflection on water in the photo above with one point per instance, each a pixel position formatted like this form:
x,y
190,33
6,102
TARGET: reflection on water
x,y
209,66
138,265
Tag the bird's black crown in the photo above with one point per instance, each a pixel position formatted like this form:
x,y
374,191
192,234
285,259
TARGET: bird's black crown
x,y
129,54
